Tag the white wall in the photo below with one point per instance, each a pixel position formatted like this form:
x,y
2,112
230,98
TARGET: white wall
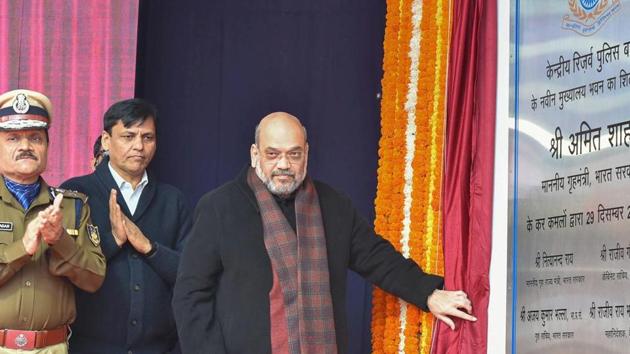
x,y
498,325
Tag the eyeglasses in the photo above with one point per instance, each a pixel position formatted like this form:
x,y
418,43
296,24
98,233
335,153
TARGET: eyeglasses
x,y
293,156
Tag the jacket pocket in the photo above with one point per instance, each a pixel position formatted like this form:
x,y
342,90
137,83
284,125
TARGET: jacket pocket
x,y
6,237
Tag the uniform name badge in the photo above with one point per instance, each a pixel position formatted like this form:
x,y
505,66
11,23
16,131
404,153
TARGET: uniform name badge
x,y
93,234
6,226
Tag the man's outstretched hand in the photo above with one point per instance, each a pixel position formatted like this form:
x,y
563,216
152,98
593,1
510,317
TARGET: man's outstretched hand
x,y
444,303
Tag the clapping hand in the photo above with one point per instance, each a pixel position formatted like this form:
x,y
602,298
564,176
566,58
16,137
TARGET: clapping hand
x,y
116,219
47,226
124,229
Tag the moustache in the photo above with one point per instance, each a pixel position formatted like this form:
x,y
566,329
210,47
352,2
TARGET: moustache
x,y
282,173
26,155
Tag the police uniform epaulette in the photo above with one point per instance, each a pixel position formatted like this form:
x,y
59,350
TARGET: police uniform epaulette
x,y
68,194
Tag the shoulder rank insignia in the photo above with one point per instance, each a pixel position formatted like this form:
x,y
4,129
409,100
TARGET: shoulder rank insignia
x,y
72,232
68,194
93,234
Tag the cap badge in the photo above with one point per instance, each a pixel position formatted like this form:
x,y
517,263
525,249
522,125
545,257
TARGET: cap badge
x,y
20,104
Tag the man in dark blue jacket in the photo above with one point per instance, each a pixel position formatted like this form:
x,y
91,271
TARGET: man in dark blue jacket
x,y
143,224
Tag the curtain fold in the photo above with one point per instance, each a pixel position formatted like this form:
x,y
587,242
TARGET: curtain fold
x,y
468,169
82,55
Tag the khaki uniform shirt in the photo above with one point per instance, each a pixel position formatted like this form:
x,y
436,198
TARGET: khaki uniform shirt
x,y
36,292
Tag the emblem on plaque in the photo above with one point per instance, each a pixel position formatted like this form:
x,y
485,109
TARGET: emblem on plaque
x,y
589,4
586,17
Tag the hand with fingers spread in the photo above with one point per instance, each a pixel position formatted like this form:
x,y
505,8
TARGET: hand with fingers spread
x,y
51,227
444,303
135,236
117,220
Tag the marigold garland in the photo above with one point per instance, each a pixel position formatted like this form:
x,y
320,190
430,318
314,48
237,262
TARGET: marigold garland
x,y
382,310
392,323
393,308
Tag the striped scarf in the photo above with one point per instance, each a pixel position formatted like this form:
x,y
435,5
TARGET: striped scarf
x,y
301,264
24,193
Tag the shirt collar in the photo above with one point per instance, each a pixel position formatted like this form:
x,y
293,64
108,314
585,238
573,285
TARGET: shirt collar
x,y
24,193
120,182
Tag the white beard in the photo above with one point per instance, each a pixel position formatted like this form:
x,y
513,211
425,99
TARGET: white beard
x,y
280,189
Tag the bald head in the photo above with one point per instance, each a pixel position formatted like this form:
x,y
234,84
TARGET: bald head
x,y
279,122
280,153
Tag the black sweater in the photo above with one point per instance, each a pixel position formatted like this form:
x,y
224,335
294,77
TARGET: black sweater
x,y
132,311
221,298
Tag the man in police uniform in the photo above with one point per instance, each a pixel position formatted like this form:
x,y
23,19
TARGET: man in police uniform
x,y
47,243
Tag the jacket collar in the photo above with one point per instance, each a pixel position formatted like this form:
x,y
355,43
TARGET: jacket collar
x,y
105,178
241,183
120,182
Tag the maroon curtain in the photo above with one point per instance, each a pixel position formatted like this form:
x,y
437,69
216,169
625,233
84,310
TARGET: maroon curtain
x,y
468,174
82,55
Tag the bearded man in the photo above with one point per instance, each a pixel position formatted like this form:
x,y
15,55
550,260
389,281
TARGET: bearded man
x,y
264,270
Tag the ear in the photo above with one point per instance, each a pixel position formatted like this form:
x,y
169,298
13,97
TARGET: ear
x,y
105,140
254,155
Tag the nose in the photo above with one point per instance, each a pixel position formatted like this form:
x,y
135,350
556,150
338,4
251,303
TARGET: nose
x,y
25,144
283,162
138,144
